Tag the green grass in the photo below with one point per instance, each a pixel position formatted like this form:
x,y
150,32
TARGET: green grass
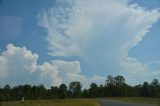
x,y
138,100
65,102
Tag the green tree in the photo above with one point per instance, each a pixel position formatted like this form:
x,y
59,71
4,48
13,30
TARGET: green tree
x,y
120,86
75,88
34,93
93,90
102,91
145,89
54,92
27,91
1,95
85,93
119,80
62,91
41,91
110,86
110,81
155,88
7,93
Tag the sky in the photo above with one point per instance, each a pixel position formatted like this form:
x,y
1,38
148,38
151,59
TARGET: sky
x,y
52,42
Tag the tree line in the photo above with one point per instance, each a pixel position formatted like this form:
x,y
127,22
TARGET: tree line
x,y
113,87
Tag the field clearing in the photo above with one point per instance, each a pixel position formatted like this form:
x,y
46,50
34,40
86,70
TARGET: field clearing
x,y
137,100
65,102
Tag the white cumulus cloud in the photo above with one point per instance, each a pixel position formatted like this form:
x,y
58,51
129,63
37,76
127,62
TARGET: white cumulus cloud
x,y
19,66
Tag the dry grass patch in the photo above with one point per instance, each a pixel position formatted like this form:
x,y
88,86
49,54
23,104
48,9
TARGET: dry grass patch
x,y
65,102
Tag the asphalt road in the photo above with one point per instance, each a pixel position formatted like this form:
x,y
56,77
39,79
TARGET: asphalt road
x,y
107,102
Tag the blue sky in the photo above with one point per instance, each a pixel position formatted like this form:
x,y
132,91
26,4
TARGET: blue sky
x,y
59,41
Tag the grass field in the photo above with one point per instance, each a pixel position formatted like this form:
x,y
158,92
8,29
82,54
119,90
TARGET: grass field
x,y
138,100
65,102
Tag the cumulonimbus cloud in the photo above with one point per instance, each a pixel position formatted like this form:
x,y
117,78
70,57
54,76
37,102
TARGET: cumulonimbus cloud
x,y
100,32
